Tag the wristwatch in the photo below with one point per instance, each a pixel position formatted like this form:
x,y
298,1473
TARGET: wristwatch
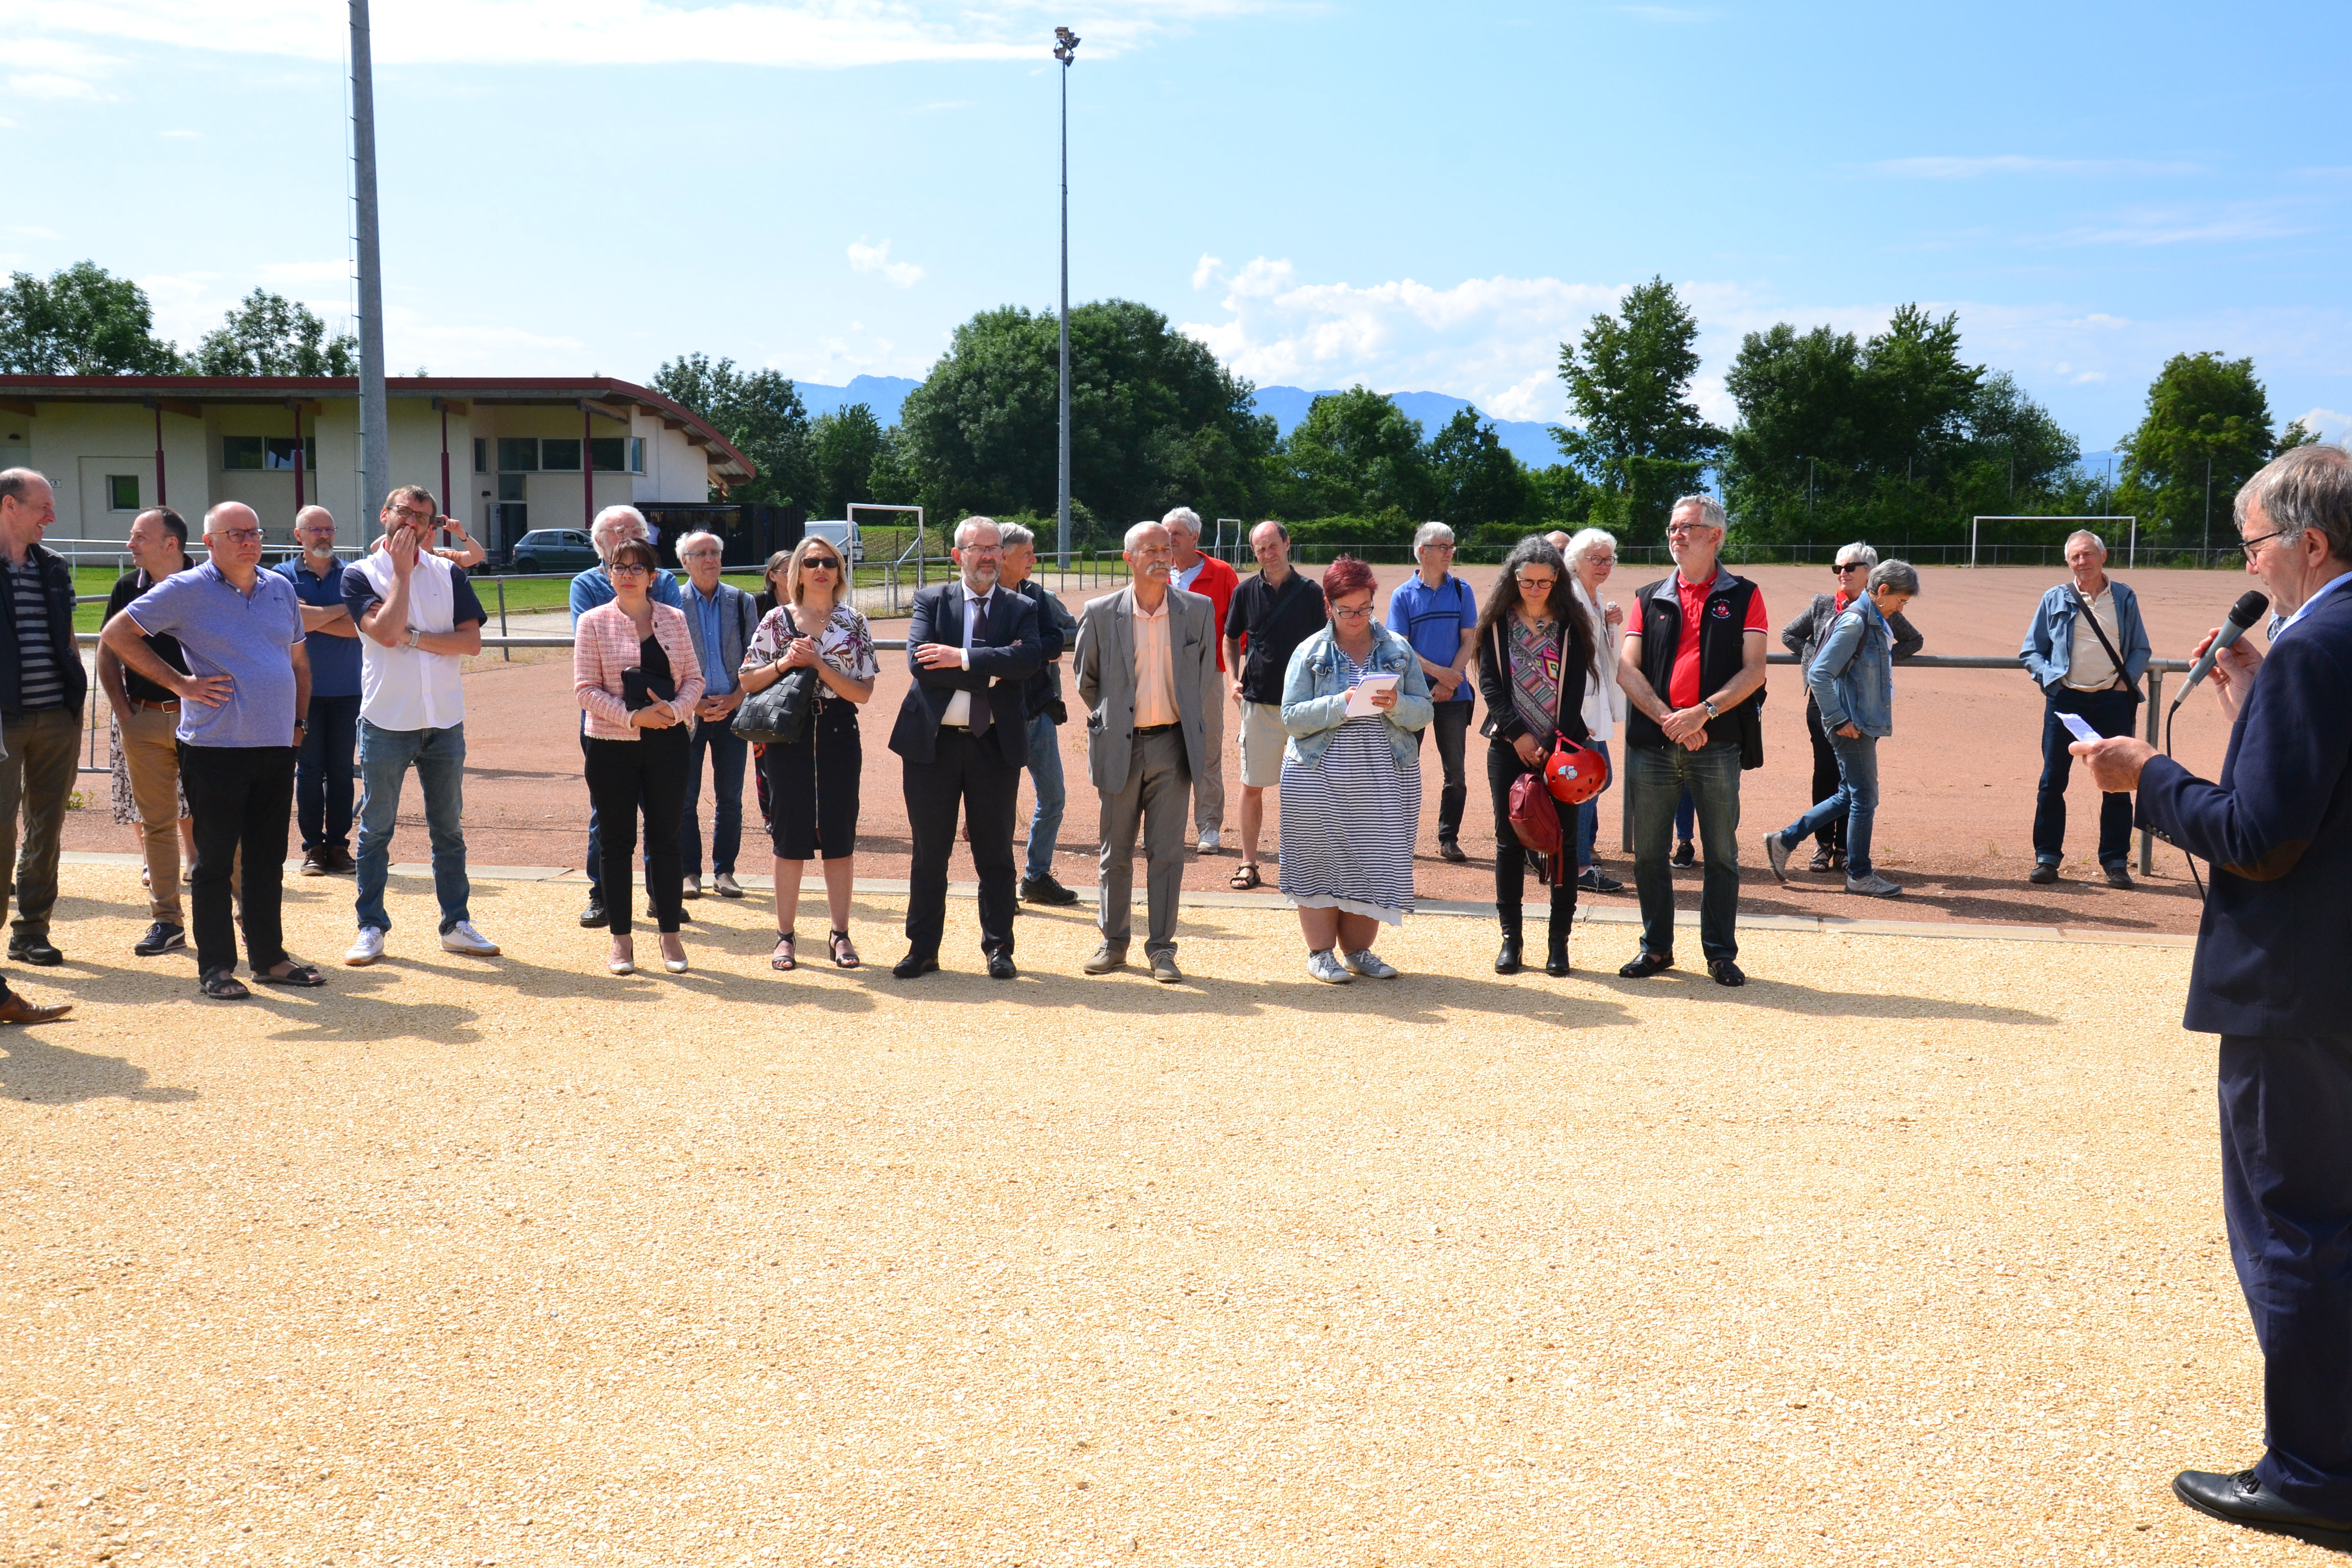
x,y
1710,708
412,635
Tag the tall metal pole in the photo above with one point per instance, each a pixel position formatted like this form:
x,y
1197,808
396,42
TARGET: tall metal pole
x,y
375,438
1065,50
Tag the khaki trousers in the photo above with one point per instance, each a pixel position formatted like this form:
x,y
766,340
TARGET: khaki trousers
x,y
151,753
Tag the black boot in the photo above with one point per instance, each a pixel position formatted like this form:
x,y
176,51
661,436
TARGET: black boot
x,y
1563,914
1506,961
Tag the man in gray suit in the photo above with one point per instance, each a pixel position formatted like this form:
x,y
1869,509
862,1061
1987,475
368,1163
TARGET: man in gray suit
x,y
1147,671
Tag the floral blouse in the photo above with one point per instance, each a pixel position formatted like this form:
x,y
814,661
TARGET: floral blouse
x,y
843,643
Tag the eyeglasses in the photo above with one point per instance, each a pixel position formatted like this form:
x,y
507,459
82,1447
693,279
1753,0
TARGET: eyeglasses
x,y
1683,530
1341,612
1444,544
1537,584
240,535
1842,567
629,569
699,555
2249,546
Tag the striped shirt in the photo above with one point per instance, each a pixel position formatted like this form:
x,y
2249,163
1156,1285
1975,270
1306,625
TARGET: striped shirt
x,y
39,682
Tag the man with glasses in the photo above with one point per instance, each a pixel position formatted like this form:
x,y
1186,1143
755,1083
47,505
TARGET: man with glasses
x,y
1436,612
147,753
1273,610
2087,664
1803,636
721,620
418,616
590,589
42,684
1692,674
1047,713
324,768
248,682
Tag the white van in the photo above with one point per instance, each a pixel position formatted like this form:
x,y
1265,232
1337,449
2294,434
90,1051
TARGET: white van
x,y
843,536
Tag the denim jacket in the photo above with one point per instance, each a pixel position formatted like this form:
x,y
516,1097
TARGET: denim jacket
x,y
1852,677
2049,645
1315,696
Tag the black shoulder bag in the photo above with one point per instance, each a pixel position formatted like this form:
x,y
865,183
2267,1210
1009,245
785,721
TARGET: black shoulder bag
x,y
775,716
2083,608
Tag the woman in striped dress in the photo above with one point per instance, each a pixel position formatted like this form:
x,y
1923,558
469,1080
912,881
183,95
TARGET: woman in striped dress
x,y
1350,786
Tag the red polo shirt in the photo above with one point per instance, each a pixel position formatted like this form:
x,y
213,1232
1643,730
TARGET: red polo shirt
x,y
1682,684
1216,584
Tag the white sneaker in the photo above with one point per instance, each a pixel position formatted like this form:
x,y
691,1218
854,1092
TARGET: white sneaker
x,y
1210,841
1322,965
366,949
463,938
1369,965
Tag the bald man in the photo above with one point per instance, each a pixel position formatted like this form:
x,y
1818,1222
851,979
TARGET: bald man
x,y
324,768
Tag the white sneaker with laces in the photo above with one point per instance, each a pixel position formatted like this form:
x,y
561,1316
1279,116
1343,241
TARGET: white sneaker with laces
x,y
1211,841
1322,965
1369,965
464,938
1873,887
366,949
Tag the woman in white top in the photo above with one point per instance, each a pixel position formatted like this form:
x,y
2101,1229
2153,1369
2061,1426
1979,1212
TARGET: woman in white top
x,y
1592,556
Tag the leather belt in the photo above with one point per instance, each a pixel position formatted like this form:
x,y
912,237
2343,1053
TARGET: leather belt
x,y
171,707
1142,730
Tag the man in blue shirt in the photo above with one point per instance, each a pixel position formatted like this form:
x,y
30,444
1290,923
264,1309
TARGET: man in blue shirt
x,y
721,620
2086,649
1436,612
590,589
324,768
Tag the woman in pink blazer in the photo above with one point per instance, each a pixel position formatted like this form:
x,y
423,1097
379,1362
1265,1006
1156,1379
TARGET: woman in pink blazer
x,y
633,665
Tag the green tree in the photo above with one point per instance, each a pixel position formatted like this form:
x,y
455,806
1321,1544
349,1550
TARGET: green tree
x,y
1476,480
2207,430
270,334
760,412
1155,420
1354,453
82,321
843,448
1642,440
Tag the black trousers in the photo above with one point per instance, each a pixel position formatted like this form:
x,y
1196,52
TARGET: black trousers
x,y
239,798
1504,769
323,771
971,774
2287,1195
626,778
1825,775
1451,729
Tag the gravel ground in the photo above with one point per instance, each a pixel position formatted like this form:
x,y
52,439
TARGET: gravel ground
x,y
1907,1252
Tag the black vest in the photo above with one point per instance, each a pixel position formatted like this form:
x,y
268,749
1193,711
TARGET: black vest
x,y
1722,651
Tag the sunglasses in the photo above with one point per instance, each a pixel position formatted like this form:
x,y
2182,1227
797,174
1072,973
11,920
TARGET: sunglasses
x,y
1849,566
819,562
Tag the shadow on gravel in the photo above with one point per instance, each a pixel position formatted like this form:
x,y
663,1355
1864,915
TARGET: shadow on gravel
x,y
35,1069
1780,996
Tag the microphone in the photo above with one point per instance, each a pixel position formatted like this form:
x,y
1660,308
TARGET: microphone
x,y
2242,615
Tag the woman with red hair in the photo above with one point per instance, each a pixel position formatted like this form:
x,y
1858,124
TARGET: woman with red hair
x,y
1350,780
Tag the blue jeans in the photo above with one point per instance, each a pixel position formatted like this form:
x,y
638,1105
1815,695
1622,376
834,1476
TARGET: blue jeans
x,y
728,751
1684,816
439,759
1854,799
1053,795
1657,778
322,772
1588,815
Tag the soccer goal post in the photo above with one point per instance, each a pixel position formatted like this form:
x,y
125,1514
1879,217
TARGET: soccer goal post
x,y
2131,548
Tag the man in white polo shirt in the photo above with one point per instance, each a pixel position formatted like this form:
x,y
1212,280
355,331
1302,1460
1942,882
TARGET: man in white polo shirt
x,y
417,617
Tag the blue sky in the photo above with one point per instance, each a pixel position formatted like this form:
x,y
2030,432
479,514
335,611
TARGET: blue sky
x,y
1415,196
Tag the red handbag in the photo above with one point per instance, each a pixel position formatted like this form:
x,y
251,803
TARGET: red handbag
x,y
1571,776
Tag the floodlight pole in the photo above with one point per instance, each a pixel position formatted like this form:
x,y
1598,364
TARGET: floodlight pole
x,y
375,440
1066,49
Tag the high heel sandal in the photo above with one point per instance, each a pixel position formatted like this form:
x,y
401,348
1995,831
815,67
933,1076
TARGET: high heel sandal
x,y
843,955
622,965
782,958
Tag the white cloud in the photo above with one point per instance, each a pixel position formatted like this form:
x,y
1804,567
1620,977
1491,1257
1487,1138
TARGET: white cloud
x,y
2331,425
806,33
1204,271
54,89
54,70
876,259
33,231
2011,163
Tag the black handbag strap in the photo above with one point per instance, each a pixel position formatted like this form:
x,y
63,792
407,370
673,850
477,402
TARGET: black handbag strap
x,y
2098,631
1559,693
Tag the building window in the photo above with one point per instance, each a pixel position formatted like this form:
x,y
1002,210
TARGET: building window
x,y
518,454
637,454
607,451
559,457
514,486
123,492
481,455
278,452
240,452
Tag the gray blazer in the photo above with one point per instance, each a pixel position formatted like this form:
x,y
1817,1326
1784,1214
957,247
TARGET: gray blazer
x,y
1105,667
739,619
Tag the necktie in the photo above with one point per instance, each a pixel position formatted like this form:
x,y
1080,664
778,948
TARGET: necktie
x,y
978,610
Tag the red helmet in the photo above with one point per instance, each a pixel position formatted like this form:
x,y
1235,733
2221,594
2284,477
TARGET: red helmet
x,y
1574,774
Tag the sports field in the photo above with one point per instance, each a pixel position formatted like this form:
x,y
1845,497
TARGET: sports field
x,y
1908,1252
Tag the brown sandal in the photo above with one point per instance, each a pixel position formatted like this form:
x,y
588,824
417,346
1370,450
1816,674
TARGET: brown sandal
x,y
843,955
782,958
1245,878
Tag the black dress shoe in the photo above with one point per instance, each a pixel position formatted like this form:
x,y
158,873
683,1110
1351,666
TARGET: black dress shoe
x,y
36,951
913,965
1506,961
2242,1500
1646,963
2044,873
1000,966
1447,849
1725,973
592,914
1045,890
2118,877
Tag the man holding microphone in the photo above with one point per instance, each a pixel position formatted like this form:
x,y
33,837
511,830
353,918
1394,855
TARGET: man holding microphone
x,y
2269,978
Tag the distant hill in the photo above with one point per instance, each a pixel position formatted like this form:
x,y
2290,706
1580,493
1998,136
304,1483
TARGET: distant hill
x,y
1531,440
882,394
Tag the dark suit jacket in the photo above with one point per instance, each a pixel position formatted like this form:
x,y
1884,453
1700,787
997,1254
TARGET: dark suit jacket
x,y
2278,830
58,588
1008,648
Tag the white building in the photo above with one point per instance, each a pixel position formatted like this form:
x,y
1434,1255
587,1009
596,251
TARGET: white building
x,y
503,453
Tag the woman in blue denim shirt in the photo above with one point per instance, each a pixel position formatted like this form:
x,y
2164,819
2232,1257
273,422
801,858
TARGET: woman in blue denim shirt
x,y
1350,786
1853,680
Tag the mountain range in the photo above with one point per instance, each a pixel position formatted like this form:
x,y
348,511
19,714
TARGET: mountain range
x,y
1529,439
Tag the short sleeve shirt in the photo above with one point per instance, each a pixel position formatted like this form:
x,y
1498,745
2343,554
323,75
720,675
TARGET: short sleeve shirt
x,y
334,661
1272,622
1682,683
1434,619
249,638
